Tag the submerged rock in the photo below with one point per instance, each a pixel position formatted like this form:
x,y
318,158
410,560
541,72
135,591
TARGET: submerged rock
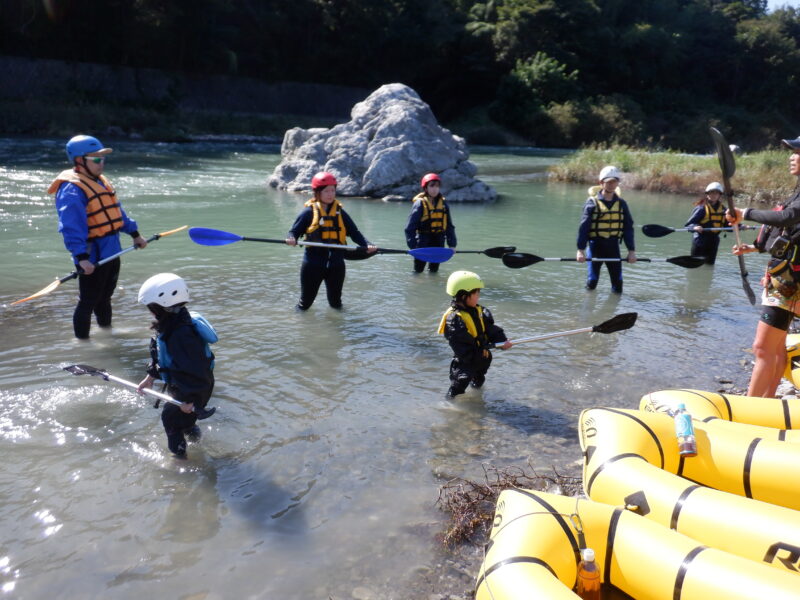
x,y
391,140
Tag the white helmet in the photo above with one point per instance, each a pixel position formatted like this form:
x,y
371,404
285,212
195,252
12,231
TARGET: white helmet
x,y
715,186
609,172
164,289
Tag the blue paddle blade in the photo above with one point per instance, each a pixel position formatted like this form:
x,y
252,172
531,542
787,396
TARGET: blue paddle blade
x,y
212,237
432,255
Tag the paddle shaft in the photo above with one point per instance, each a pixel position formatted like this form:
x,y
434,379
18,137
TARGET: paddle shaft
x,y
148,391
107,259
152,238
710,228
412,252
548,336
607,259
324,245
75,274
304,243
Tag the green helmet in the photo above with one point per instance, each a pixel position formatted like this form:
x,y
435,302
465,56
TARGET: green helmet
x,y
463,281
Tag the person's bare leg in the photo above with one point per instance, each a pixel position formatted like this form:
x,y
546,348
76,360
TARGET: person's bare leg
x,y
769,349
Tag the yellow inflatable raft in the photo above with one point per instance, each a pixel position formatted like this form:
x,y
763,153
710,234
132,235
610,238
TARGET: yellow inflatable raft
x,y
535,540
793,359
775,419
632,459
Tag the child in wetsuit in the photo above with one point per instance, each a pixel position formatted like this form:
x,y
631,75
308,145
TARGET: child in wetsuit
x,y
471,332
429,224
180,356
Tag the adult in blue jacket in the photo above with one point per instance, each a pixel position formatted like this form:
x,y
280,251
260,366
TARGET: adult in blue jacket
x,y
605,222
90,218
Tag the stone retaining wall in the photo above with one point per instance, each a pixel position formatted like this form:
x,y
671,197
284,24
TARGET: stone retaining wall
x,y
22,78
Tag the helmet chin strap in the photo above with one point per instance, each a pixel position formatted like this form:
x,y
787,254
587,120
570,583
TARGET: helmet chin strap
x,y
84,168
159,310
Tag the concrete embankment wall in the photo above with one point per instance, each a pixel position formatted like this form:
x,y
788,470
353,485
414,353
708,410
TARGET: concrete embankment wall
x,y
23,78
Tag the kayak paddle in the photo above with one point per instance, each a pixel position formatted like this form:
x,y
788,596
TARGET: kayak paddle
x,y
89,370
214,237
432,254
728,166
74,274
496,252
517,260
616,323
657,231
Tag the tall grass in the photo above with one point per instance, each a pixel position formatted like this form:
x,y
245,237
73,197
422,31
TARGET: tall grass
x,y
761,177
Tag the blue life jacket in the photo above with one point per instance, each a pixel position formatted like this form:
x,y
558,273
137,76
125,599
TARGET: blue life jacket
x,y
206,332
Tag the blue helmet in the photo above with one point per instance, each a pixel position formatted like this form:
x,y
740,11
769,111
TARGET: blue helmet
x,y
81,145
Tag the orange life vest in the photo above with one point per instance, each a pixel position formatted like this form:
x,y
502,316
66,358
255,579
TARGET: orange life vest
x,y
327,224
103,212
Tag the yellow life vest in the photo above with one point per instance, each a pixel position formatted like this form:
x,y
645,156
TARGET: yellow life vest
x,y
434,214
103,212
481,340
327,224
714,217
468,321
606,222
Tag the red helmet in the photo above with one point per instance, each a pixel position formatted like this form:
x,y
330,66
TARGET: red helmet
x,y
322,179
428,178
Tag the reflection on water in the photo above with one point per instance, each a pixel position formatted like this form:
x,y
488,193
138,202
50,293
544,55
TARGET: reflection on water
x,y
320,470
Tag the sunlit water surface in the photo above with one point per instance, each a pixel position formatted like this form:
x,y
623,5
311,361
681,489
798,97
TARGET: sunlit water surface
x,y
319,473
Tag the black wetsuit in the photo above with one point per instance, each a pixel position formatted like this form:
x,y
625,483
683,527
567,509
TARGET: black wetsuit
x,y
472,356
190,377
705,244
419,235
322,264
600,247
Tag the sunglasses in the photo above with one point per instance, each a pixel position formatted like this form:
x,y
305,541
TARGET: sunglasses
x,y
98,160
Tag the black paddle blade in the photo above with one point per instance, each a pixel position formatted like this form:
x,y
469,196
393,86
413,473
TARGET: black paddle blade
x,y
86,370
726,161
617,323
204,413
517,260
656,231
687,262
499,251
728,166
360,254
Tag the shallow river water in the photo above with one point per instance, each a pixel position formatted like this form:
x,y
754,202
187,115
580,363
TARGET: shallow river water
x,y
318,475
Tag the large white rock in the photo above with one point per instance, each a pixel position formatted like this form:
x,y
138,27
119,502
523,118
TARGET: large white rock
x,y
391,140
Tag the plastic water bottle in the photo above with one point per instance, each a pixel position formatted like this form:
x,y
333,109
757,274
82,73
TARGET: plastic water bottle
x,y
588,576
687,445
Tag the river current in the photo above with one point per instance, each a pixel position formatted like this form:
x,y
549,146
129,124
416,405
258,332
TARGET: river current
x,y
318,475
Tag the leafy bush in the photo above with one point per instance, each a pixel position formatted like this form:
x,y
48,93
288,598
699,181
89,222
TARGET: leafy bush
x,y
529,89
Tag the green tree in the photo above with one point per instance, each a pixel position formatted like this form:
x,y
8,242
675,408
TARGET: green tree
x,y
530,88
770,60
